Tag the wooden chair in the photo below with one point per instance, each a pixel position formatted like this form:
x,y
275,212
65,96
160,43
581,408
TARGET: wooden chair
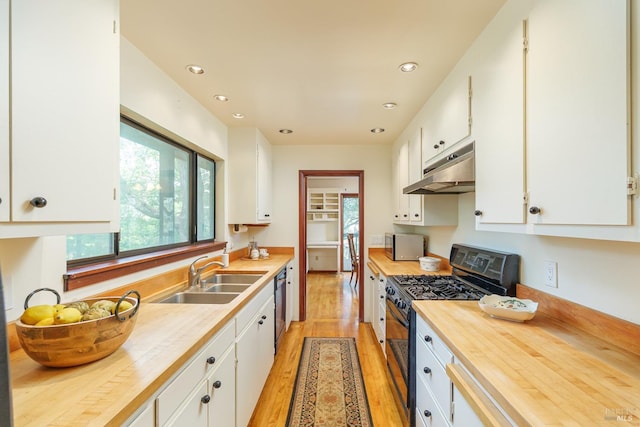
x,y
355,259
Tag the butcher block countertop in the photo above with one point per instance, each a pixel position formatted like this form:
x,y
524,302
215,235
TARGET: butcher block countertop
x,y
110,390
392,268
541,372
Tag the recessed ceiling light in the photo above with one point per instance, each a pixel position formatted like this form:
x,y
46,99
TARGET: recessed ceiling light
x,y
220,98
389,105
285,131
195,69
408,67
377,130
238,116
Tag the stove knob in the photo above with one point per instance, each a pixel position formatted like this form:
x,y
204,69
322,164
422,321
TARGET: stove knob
x,y
404,305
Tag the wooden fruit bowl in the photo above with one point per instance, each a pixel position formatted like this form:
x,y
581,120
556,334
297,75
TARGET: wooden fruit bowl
x,y
74,344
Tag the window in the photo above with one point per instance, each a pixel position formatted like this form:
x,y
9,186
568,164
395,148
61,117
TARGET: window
x,y
167,199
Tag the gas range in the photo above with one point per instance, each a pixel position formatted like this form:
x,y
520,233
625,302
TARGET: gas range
x,y
430,287
475,272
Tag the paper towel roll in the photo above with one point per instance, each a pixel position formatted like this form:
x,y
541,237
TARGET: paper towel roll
x,y
240,229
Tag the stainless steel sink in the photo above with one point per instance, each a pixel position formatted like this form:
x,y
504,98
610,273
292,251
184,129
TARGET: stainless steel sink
x,y
244,278
226,287
200,298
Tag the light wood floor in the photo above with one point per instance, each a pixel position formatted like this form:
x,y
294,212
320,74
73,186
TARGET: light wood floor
x,y
331,312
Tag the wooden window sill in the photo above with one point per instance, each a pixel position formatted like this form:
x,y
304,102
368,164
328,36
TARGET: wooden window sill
x,y
79,277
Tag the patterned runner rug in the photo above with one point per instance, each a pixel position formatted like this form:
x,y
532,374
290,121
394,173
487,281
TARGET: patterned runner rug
x,y
329,389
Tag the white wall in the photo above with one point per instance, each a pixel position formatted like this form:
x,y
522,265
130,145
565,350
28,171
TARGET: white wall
x,y
288,160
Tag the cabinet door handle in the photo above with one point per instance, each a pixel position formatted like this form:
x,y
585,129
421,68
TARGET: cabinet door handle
x,y
477,212
427,338
211,360
38,202
534,210
427,413
217,384
264,316
427,370
205,399
382,319
435,147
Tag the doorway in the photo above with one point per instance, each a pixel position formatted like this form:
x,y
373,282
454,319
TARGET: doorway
x,y
303,186
350,222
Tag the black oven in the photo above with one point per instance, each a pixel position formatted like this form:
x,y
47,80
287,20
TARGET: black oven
x,y
397,346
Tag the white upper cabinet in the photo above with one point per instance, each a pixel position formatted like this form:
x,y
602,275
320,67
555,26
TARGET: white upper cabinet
x,y
578,112
249,172
449,119
401,173
551,103
498,125
416,209
4,111
64,111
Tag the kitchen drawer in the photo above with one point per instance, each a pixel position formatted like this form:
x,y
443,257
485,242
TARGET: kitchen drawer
x,y
435,377
245,315
435,344
195,371
427,411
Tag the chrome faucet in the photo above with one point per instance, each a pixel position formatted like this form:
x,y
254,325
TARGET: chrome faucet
x,y
194,273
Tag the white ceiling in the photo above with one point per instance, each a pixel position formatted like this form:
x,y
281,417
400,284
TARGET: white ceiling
x,y
322,68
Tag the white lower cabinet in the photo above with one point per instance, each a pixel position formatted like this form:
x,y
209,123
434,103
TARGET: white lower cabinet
x,y
438,401
464,414
254,352
378,286
187,397
221,384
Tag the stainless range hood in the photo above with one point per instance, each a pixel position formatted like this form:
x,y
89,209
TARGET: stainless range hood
x,y
452,174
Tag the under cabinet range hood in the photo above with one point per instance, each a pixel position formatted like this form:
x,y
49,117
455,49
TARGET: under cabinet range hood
x,y
454,173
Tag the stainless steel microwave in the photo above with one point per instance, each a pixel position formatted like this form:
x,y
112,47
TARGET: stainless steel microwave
x,y
404,247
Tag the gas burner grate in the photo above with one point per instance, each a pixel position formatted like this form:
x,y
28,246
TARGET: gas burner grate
x,y
435,287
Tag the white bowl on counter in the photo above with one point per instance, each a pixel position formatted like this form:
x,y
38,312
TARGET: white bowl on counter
x,y
428,263
508,308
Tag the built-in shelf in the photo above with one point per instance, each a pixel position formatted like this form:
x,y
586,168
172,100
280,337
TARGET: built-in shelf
x,y
323,229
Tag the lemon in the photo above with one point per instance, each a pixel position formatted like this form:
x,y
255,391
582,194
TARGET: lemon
x,y
67,315
36,313
124,305
45,322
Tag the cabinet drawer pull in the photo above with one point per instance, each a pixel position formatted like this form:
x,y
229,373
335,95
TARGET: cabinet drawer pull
x,y
427,370
477,213
217,384
211,360
427,413
264,317
534,210
38,202
382,319
260,322
205,399
427,338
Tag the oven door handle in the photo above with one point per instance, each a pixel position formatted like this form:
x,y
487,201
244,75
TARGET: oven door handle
x,y
392,310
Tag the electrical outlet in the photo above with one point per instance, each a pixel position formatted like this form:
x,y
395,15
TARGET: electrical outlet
x,y
551,274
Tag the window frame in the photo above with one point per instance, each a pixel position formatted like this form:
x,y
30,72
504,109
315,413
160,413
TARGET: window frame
x,y
86,271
